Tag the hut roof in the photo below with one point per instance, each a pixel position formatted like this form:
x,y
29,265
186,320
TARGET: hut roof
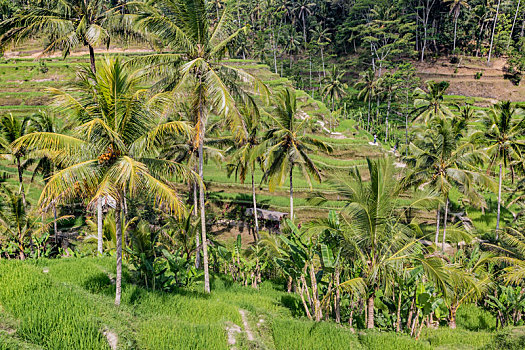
x,y
266,214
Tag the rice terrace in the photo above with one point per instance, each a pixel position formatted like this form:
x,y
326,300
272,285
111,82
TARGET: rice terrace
x,y
274,174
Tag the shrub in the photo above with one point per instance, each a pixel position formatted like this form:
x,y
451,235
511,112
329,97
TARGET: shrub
x,y
474,318
478,75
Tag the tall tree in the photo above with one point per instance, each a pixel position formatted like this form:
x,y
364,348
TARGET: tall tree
x,y
289,146
67,24
113,152
455,10
334,88
504,126
11,128
197,66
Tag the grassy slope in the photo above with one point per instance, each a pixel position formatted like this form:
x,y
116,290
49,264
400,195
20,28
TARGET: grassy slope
x,y
68,303
23,82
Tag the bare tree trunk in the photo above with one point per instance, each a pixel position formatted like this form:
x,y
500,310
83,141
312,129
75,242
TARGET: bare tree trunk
x,y
100,238
493,31
369,112
445,225
118,227
499,199
370,312
387,115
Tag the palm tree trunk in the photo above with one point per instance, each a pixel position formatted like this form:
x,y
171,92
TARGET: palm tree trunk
x,y
370,312
369,112
436,239
513,24
92,59
455,31
398,314
387,115
322,61
445,226
197,239
499,199
118,227
21,180
493,31
99,227
55,228
291,192
452,317
255,209
203,219
337,297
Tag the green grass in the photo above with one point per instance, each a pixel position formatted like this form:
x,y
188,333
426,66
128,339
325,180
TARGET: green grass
x,y
68,304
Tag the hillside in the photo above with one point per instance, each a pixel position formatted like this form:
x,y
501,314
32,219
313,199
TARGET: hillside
x,y
68,304
24,78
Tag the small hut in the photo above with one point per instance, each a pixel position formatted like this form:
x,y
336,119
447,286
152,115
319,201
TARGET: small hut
x,y
268,219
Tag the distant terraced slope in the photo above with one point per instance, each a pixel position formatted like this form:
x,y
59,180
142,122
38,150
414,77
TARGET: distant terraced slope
x,y
491,87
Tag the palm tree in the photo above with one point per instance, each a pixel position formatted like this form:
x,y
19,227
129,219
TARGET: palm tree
x,y
185,151
374,237
303,9
15,223
45,122
431,104
368,89
113,152
442,160
504,126
197,66
288,146
248,154
68,24
334,87
493,31
455,10
11,128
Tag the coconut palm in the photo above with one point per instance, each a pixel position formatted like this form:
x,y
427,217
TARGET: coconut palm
x,y
374,237
455,10
196,67
45,122
442,160
113,152
431,104
368,86
248,155
67,24
288,146
334,87
11,128
504,126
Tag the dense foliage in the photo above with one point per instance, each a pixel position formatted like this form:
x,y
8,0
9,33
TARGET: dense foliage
x,y
128,141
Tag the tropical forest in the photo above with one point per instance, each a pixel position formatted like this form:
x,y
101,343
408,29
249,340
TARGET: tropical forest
x,y
262,174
